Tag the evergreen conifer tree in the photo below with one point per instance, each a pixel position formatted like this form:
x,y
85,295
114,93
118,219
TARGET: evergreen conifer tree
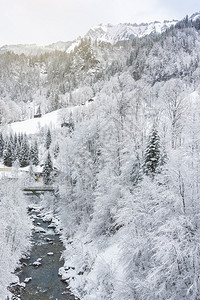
x,y
1,144
19,138
47,170
34,154
48,139
7,155
17,151
152,155
56,150
15,140
11,138
24,157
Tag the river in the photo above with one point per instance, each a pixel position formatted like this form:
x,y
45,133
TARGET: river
x,y
40,270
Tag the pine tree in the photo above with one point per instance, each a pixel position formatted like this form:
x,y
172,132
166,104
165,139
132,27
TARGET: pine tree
x,y
56,150
20,137
1,144
11,138
15,141
16,148
34,154
152,155
7,155
47,170
17,152
48,139
24,157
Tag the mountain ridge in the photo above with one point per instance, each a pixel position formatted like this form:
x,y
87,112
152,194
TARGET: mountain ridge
x,y
106,33
127,31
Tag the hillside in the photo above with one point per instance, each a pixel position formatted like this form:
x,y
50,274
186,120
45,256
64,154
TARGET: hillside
x,y
51,80
33,126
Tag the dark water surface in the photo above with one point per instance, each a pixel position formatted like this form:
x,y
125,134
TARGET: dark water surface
x,y
45,282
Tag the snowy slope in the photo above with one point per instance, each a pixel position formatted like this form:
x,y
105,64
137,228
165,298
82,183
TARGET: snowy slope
x,y
50,120
33,126
127,31
115,33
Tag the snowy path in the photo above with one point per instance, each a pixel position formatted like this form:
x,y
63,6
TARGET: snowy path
x,y
39,273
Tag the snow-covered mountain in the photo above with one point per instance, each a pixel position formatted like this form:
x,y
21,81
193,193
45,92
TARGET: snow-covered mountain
x,y
127,31
119,32
108,33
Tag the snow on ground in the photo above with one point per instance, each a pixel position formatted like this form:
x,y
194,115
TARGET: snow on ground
x,y
33,126
16,172
51,120
110,259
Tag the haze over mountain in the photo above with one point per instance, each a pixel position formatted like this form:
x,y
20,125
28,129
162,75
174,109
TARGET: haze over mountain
x,y
108,33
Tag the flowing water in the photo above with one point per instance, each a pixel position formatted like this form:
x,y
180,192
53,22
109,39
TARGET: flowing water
x,y
41,268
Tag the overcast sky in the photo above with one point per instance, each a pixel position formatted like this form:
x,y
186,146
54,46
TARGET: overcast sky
x,y
46,21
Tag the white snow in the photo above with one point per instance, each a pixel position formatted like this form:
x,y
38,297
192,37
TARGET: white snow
x,y
114,33
194,97
50,120
34,125
73,45
36,264
28,279
109,257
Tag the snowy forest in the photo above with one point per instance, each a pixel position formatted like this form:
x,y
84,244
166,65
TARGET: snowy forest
x,y
124,156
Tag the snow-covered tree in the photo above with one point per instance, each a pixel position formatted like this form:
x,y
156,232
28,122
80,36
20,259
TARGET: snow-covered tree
x,y
56,150
7,154
15,232
71,123
48,139
47,170
24,156
1,144
174,95
34,158
152,155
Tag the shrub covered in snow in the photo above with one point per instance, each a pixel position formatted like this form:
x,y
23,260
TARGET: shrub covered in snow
x,y
15,229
